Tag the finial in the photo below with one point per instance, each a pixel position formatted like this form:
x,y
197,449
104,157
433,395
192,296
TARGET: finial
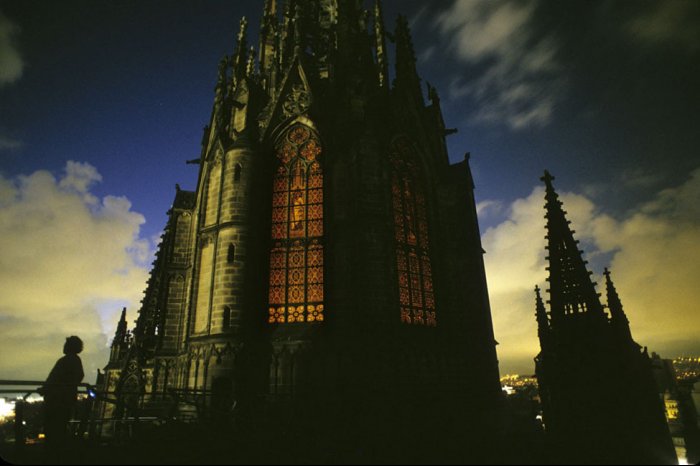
x,y
242,29
250,66
547,178
270,8
223,63
297,29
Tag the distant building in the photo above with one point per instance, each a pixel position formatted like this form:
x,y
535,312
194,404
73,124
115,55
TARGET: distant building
x,y
681,410
599,398
329,262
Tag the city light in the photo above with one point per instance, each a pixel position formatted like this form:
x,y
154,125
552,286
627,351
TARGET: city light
x,y
7,410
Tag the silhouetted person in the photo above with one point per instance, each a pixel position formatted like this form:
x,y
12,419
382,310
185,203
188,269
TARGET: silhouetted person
x,y
59,391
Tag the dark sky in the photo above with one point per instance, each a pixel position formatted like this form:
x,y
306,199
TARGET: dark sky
x,y
604,94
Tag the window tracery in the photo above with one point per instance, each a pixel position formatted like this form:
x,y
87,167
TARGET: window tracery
x,y
296,257
414,269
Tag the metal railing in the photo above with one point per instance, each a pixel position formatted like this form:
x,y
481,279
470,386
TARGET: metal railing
x,y
185,405
24,391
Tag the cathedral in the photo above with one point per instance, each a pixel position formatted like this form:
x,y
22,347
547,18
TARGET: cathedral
x,y
600,401
324,284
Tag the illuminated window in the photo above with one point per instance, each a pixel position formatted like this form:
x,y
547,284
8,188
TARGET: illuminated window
x,y
415,276
296,258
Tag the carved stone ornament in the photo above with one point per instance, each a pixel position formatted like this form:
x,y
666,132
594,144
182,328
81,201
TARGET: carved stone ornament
x,y
206,239
297,101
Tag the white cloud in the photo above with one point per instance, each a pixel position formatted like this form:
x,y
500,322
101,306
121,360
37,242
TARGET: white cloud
x,y
520,82
11,64
66,256
489,208
652,252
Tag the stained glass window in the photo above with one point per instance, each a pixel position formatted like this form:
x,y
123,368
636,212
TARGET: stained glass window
x,y
296,257
415,276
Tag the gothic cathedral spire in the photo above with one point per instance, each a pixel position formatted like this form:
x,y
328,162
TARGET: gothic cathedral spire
x,y
570,287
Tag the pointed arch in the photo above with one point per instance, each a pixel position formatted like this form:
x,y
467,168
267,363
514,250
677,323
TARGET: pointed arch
x,y
413,263
296,257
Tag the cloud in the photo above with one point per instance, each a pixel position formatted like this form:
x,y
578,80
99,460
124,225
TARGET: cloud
x,y
489,208
9,144
518,80
670,21
68,257
11,63
652,251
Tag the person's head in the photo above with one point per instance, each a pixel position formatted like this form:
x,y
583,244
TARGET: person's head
x,y
74,345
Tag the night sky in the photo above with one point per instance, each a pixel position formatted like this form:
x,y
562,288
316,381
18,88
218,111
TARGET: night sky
x,y
101,104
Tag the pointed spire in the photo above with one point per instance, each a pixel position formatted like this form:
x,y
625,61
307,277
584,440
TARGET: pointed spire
x,y
286,34
270,8
542,319
618,318
221,80
571,289
250,66
240,57
298,38
406,74
380,45
120,334
268,36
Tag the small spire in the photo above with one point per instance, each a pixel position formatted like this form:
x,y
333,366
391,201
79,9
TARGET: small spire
x,y
250,66
406,75
120,334
542,319
270,8
268,36
221,77
240,58
298,38
380,45
618,318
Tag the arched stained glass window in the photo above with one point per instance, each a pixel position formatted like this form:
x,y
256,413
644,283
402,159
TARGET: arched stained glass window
x,y
415,276
296,258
